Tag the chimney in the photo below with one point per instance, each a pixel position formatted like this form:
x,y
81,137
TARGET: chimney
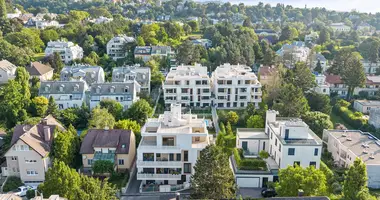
x,y
47,134
44,121
300,192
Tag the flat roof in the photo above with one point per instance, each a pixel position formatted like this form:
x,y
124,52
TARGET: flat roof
x,y
251,133
358,138
368,102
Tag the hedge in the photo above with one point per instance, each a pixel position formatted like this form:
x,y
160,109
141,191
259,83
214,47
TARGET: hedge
x,y
12,183
248,163
349,117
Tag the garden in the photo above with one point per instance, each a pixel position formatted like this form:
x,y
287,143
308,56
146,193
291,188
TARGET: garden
x,y
248,163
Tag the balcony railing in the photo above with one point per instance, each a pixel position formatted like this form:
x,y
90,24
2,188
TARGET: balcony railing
x,y
141,163
142,176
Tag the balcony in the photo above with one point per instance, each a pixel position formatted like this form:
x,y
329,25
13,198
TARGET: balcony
x,y
141,163
199,145
142,176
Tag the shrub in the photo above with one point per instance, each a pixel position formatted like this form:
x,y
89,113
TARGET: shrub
x,y
263,154
103,166
30,194
354,119
248,163
12,183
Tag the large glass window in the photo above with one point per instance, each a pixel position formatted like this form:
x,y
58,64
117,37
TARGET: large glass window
x,y
187,168
168,141
148,156
291,151
185,156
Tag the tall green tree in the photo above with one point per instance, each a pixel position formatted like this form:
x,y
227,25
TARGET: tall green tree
x,y
288,33
353,75
255,121
318,68
140,111
113,107
291,95
317,122
3,9
39,106
213,178
22,77
324,36
312,181
302,77
52,107
319,102
66,146
130,125
101,118
355,180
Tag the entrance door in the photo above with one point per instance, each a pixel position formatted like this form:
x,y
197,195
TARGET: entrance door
x,y
265,182
183,178
244,145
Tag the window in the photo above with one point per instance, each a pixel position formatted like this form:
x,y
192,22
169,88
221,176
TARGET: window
x,y
297,163
171,157
148,156
271,134
286,134
185,156
221,90
14,158
168,141
316,151
178,156
279,147
31,172
187,168
291,151
89,161
313,164
121,161
275,143
30,161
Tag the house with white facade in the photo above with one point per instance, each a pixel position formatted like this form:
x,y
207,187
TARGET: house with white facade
x,y
322,86
365,106
347,145
88,73
370,68
188,85
67,94
321,59
28,156
15,14
235,86
116,47
42,24
374,117
170,147
147,52
126,73
293,53
340,27
67,50
7,71
123,92
337,86
100,20
289,142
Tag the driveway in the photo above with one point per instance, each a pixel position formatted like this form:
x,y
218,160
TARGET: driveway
x,y
250,192
134,185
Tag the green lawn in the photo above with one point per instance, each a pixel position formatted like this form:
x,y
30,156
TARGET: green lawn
x,y
337,119
197,35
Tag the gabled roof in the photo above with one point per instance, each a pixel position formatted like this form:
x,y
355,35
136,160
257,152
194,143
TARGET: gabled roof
x,y
118,88
38,69
114,138
7,66
34,135
9,197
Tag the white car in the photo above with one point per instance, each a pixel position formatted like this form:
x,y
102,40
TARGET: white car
x,y
21,191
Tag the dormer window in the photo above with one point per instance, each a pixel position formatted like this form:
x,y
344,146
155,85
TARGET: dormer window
x,y
76,87
47,88
126,89
98,89
112,89
93,75
61,88
143,76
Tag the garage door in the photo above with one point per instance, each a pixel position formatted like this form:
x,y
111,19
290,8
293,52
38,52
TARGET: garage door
x,y
248,182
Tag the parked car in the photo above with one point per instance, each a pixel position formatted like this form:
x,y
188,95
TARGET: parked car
x,y
21,191
268,192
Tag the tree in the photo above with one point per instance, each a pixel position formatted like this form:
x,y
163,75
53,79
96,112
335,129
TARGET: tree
x,y
93,188
288,33
255,121
353,75
103,166
130,125
263,154
187,53
140,41
213,178
49,35
140,111
55,61
113,107
324,36
247,22
318,68
317,122
101,118
3,9
39,106
340,61
290,95
52,107
319,102
303,78
232,117
312,181
369,49
66,146
22,77
355,180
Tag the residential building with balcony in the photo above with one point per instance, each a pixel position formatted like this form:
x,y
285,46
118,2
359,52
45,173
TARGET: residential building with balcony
x,y
347,145
145,53
115,145
235,86
28,156
337,85
67,50
67,94
170,147
123,92
88,73
289,142
322,86
7,71
141,74
117,46
188,85
364,106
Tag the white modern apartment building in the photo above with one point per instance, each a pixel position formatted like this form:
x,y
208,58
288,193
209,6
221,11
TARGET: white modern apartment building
x,y
235,86
123,92
289,142
170,147
67,94
322,86
7,71
188,85
347,145
67,50
116,47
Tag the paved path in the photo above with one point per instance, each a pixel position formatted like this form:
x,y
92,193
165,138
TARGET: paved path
x,y
156,100
215,120
134,186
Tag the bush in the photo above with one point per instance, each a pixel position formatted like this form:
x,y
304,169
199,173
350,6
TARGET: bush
x,y
103,166
354,119
248,163
12,183
30,194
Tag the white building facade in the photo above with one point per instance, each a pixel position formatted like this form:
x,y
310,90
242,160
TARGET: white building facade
x,y
235,86
188,85
126,73
7,71
322,86
170,147
116,47
67,50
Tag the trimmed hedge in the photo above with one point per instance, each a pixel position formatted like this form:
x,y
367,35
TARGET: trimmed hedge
x,y
350,117
248,163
